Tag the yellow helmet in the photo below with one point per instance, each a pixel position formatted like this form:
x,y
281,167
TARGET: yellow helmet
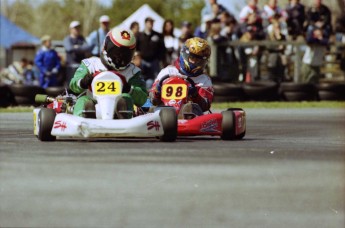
x,y
194,56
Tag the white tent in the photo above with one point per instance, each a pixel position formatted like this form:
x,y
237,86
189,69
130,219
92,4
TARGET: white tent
x,y
139,16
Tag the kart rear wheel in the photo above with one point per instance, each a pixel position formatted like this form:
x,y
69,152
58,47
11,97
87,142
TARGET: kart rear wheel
x,y
169,121
46,119
228,125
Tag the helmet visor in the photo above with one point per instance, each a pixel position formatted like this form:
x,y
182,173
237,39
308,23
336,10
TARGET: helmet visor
x,y
193,59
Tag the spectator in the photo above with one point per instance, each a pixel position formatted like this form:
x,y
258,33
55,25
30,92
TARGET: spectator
x,y
229,26
212,7
171,42
186,32
14,73
227,67
76,48
250,9
151,46
313,56
319,16
271,12
276,58
203,30
134,27
31,74
96,38
250,30
296,17
48,63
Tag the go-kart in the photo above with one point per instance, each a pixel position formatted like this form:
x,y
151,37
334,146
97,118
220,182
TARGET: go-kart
x,y
55,118
229,124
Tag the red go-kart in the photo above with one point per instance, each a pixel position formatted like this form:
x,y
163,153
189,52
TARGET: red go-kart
x,y
229,124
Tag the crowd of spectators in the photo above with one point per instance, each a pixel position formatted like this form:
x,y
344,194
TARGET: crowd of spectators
x,y
156,50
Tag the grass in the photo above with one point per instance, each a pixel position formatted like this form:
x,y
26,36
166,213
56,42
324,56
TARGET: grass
x,y
304,104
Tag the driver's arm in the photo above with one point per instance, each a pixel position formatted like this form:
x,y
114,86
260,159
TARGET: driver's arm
x,y
79,74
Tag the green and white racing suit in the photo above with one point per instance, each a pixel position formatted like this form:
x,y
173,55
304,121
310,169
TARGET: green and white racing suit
x,y
94,65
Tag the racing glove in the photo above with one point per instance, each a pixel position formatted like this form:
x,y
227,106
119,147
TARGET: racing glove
x,y
158,91
192,91
86,81
127,88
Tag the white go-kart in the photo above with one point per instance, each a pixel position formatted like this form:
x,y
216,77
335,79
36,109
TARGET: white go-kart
x,y
54,119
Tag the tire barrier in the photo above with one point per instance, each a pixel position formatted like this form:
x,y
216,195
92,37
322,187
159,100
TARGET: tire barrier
x,y
227,92
290,91
55,91
6,96
25,94
262,91
331,91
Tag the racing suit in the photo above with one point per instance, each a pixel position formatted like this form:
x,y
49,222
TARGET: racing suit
x,y
94,65
203,84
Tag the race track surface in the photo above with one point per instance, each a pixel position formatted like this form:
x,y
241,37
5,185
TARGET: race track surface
x,y
289,171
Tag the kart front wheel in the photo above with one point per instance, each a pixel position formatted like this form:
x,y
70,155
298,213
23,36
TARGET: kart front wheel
x,y
228,125
46,119
169,122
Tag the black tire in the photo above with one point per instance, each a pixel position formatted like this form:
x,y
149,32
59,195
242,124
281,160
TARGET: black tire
x,y
6,96
240,136
331,91
54,91
299,96
261,91
169,121
46,119
228,125
228,89
25,94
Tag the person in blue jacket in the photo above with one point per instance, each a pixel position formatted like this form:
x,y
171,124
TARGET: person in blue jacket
x,y
48,63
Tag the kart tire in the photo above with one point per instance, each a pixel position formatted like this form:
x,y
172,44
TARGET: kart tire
x,y
240,136
46,119
228,125
169,121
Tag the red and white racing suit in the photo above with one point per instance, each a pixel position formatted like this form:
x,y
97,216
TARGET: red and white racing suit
x,y
203,85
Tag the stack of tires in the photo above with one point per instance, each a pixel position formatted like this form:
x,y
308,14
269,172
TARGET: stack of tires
x,y
330,91
227,92
290,91
25,94
261,91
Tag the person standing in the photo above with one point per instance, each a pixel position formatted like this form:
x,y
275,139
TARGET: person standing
x,y
171,42
96,38
151,46
76,48
48,63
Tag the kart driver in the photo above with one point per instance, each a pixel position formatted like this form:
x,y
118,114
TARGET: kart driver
x,y
193,58
117,52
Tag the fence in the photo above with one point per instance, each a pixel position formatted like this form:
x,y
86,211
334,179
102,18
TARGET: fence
x,y
331,68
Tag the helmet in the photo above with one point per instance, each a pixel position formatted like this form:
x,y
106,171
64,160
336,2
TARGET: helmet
x,y
194,56
118,49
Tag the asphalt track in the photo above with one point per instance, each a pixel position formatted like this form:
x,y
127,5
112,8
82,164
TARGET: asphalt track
x,y
289,171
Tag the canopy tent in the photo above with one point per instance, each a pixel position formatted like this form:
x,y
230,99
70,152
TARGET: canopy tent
x,y
12,34
139,16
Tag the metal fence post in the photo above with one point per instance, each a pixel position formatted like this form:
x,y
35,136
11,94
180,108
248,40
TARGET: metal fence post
x,y
213,59
298,63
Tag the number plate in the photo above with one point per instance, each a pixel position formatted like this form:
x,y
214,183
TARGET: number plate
x,y
171,91
108,88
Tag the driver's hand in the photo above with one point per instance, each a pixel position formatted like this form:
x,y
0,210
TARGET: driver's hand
x,y
126,88
158,90
86,81
192,91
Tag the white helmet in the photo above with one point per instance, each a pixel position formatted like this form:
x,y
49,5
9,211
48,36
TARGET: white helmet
x,y
118,49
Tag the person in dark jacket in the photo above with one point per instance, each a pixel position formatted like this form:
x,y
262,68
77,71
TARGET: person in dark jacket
x,y
76,48
151,46
296,18
319,17
48,62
